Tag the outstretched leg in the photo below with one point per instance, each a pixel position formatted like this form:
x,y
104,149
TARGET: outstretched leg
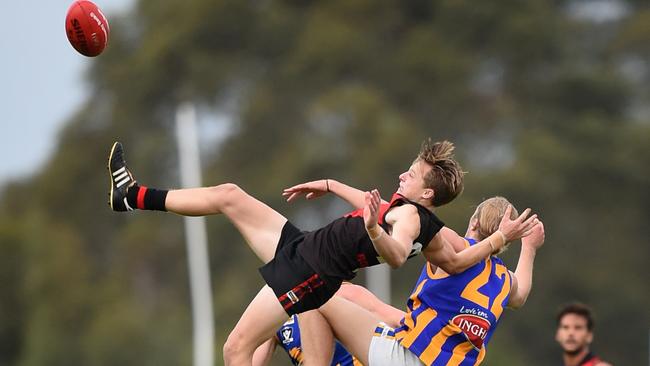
x,y
259,322
260,225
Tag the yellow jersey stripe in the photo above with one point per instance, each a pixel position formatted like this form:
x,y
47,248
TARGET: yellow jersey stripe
x,y
435,346
480,357
423,319
408,318
460,352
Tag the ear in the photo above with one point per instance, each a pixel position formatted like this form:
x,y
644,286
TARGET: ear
x,y
428,194
590,337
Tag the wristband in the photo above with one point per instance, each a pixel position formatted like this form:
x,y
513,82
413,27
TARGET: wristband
x,y
503,236
381,232
500,235
491,245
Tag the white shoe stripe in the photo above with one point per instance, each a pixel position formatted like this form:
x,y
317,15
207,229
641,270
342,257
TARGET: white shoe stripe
x,y
124,181
119,171
117,179
127,205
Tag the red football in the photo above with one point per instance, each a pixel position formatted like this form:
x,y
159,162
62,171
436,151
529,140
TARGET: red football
x,y
87,28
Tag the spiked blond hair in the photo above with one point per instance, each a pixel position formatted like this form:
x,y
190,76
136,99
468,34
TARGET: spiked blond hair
x,y
446,174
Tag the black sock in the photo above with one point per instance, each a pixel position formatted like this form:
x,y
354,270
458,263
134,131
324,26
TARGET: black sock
x,y
144,198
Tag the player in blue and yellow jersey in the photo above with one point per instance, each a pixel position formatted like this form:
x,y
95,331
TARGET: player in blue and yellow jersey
x,y
450,318
303,270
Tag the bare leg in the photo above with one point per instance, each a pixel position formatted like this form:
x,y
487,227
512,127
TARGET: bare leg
x,y
259,224
259,322
367,300
353,325
316,338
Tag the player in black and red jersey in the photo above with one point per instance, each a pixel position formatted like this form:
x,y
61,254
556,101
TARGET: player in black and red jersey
x,y
303,270
574,333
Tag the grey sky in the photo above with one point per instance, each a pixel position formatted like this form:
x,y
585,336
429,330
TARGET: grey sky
x,y
42,80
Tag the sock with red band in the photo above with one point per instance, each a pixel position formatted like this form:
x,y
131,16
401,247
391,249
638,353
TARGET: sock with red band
x,y
144,198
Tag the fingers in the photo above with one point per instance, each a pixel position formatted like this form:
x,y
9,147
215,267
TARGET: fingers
x,y
368,197
376,199
531,221
310,190
507,214
532,225
293,189
292,196
373,201
523,215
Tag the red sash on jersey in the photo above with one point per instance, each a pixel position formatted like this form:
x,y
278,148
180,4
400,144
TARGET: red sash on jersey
x,y
383,208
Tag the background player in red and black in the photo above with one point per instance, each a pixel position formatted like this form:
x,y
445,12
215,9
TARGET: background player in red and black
x,y
575,326
297,281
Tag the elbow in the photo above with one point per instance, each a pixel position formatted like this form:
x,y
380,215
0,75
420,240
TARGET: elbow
x,y
517,302
396,261
451,267
394,264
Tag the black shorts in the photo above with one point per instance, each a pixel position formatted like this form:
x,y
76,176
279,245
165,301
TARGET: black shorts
x,y
295,283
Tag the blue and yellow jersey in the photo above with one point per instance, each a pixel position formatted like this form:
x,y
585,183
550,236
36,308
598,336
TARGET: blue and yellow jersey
x,y
289,338
450,319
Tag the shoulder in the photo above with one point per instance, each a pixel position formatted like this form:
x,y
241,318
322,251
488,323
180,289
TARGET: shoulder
x,y
403,211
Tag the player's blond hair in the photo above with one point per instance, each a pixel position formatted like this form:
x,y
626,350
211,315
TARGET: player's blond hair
x,y
446,174
488,216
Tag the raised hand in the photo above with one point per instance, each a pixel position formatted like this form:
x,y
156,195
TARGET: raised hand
x,y
371,209
519,227
536,237
311,190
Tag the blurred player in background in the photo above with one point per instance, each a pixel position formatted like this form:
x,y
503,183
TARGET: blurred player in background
x,y
574,333
450,318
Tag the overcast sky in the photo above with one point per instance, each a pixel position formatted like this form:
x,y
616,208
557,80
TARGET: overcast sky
x,y
42,79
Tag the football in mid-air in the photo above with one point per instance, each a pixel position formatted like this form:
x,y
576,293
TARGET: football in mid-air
x,y
87,28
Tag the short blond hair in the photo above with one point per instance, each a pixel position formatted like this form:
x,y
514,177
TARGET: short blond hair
x,y
446,174
488,216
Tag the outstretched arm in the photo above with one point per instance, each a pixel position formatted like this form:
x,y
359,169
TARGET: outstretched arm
x,y
318,188
523,276
440,251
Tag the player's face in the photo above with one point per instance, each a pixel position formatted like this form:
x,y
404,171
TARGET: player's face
x,y
411,182
573,334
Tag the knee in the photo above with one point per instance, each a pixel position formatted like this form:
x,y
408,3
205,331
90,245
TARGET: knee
x,y
235,350
224,195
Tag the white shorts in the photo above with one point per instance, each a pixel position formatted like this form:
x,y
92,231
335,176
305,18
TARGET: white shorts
x,y
386,351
